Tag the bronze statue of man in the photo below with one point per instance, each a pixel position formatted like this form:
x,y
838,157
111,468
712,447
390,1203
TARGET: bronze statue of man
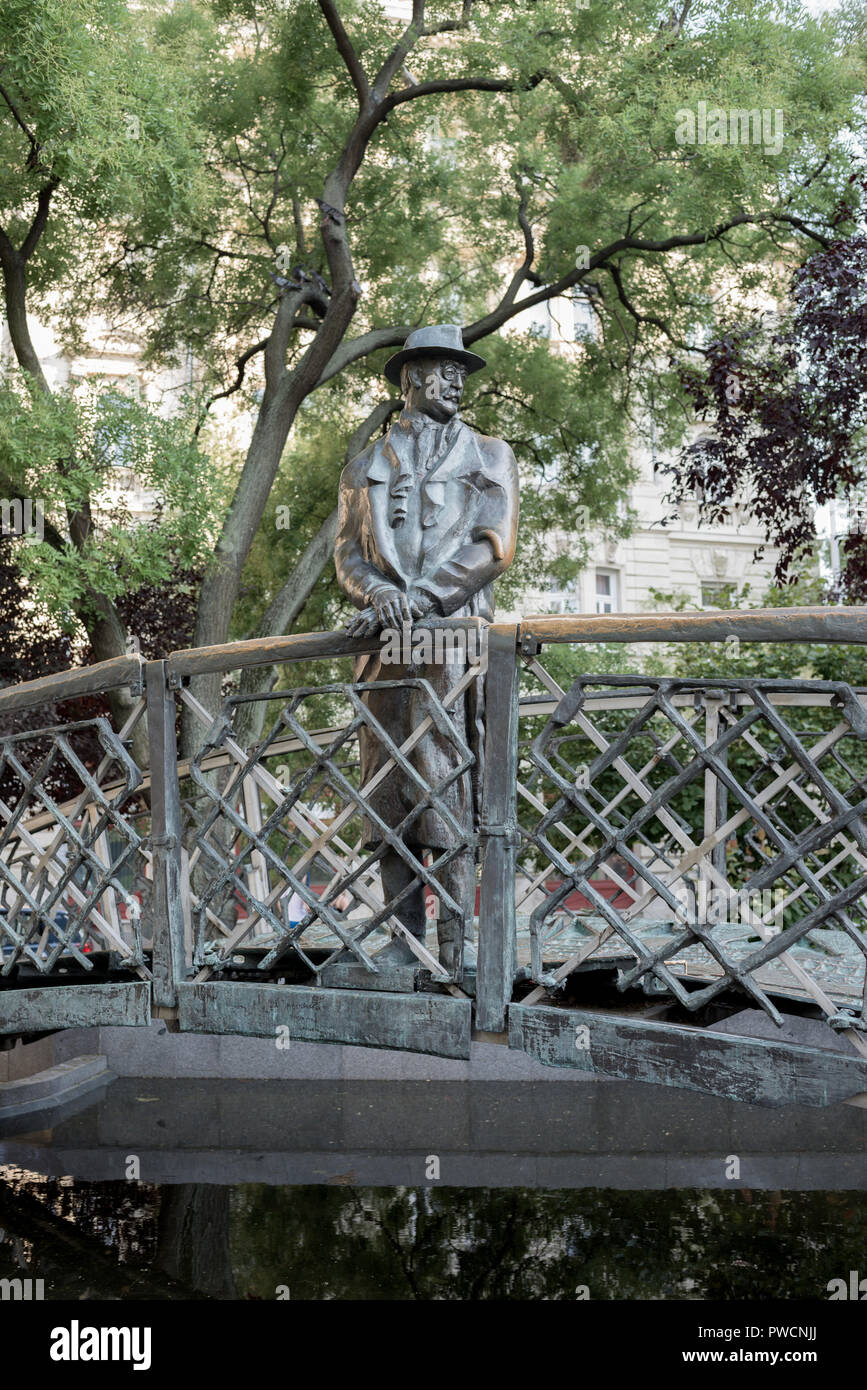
x,y
428,516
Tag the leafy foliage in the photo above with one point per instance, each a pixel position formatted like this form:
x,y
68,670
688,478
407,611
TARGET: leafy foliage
x,y
465,1243
64,451
173,169
102,115
786,402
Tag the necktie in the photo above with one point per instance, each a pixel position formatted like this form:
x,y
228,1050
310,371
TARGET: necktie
x,y
429,447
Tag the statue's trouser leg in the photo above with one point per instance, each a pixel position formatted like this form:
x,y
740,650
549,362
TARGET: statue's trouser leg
x,y
459,880
396,874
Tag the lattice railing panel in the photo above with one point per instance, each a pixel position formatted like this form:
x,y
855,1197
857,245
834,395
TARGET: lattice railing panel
x,y
72,873
732,817
292,808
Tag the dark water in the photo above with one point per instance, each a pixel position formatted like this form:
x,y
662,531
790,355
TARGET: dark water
x,y
168,1189
250,1241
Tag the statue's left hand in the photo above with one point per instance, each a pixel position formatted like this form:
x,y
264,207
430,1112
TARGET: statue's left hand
x,y
364,624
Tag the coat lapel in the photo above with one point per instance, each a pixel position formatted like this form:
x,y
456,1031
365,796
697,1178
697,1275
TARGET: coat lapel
x,y
449,494
380,475
462,456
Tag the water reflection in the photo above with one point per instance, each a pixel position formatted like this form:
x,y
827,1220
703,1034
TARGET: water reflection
x,y
320,1189
257,1241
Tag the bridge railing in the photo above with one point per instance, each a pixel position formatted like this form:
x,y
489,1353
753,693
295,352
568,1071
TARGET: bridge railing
x,y
705,839
704,835
291,807
74,873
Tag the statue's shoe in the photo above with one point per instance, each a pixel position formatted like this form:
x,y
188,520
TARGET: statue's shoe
x,y
447,955
397,952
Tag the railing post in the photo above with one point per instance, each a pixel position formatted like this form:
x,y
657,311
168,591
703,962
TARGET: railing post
x,y
168,912
499,831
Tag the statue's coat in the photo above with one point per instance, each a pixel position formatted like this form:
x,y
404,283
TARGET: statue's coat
x,y
435,507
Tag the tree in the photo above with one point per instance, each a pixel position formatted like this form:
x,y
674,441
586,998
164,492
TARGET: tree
x,y
485,160
32,646
522,1243
76,84
95,577
784,397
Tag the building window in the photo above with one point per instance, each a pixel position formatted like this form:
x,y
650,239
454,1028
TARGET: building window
x,y
583,317
441,146
565,600
714,593
114,433
606,591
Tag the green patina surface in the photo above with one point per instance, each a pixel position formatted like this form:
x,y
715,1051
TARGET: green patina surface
x,y
75,1006
757,1070
412,1022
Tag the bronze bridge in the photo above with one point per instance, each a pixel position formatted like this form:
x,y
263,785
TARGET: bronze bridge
x,y
656,855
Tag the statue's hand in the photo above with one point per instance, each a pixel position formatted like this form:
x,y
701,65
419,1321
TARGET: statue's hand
x,y
392,607
363,624
420,604
388,608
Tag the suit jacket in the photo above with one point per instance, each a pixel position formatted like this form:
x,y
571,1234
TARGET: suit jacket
x,y
435,508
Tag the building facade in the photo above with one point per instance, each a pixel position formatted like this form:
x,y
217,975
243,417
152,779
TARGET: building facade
x,y
694,563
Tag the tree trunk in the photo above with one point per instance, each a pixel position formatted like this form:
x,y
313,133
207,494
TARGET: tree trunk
x,y
279,616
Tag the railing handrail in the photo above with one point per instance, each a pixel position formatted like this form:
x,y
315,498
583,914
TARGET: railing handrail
x,y
121,671
118,671
304,646
815,624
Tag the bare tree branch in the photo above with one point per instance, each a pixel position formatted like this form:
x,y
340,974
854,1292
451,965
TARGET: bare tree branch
x,y
440,85
352,349
12,491
8,252
284,322
447,26
673,26
19,121
523,271
398,55
299,227
614,272
219,251
37,226
503,312
801,227
240,365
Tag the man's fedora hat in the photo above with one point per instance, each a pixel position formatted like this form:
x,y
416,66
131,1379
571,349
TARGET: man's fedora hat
x,y
442,340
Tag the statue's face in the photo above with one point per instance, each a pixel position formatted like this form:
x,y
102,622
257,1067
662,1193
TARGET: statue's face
x,y
438,385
